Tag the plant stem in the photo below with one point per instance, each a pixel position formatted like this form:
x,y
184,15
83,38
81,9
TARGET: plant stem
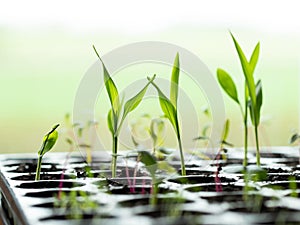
x,y
245,120
245,162
183,173
154,192
114,156
38,168
257,147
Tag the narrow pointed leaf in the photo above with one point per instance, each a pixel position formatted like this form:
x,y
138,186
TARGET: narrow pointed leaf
x,y
49,140
167,107
259,100
247,71
110,86
227,84
132,103
225,131
175,81
254,58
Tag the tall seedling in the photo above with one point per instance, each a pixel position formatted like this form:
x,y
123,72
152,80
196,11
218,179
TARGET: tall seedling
x,y
169,106
252,94
115,119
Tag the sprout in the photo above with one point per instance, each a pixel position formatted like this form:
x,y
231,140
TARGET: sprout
x,y
253,97
48,142
169,106
115,119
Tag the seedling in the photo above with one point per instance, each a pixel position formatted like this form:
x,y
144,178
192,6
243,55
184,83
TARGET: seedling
x,y
115,119
48,142
146,127
169,106
75,204
252,95
152,165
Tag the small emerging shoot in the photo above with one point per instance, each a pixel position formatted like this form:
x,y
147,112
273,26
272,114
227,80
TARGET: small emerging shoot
x,y
152,165
169,106
48,142
115,118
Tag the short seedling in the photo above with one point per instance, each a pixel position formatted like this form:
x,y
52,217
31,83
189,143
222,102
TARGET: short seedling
x,y
169,106
146,127
252,95
115,119
48,142
152,165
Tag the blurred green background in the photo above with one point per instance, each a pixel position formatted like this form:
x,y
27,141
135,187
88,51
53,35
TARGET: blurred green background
x,y
41,66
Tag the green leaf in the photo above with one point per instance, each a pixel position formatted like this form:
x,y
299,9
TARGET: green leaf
x,y
225,131
165,166
254,57
110,121
294,138
157,128
248,72
132,103
149,161
110,87
167,107
49,140
174,81
227,84
259,100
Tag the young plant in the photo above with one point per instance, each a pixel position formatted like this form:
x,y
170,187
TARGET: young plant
x,y
152,165
75,204
115,119
252,95
169,106
146,127
48,142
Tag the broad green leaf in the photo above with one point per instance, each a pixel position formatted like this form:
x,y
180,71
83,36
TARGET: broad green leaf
x,y
248,73
225,131
49,140
254,57
110,122
110,87
149,161
175,81
167,107
227,84
132,103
